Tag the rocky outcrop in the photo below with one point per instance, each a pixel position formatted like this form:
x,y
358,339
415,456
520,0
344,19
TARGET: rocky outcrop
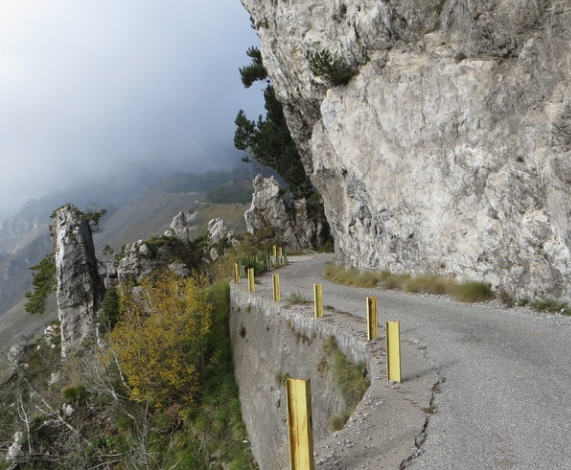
x,y
219,238
138,260
79,286
449,151
182,226
135,262
276,213
217,231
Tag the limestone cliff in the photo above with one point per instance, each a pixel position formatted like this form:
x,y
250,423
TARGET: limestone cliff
x,y
79,286
449,151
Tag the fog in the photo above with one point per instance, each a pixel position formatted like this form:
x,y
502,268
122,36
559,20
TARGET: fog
x,y
89,88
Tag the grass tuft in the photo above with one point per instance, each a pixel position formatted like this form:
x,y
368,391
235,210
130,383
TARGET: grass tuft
x,y
351,378
297,298
551,306
472,292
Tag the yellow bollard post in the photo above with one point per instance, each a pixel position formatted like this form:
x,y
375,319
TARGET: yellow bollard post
x,y
372,319
251,281
236,273
300,424
277,287
275,251
393,351
318,300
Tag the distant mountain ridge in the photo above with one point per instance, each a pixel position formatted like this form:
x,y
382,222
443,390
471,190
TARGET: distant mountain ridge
x,y
138,207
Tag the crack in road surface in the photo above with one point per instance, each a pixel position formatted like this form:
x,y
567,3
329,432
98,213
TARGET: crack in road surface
x,y
507,400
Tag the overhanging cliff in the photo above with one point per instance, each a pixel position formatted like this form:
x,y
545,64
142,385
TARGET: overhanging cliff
x,y
449,151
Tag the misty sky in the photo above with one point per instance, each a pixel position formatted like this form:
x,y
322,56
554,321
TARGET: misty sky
x,y
89,86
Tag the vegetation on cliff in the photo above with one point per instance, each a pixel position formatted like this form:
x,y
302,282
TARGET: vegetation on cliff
x,y
161,396
43,284
268,140
157,391
332,68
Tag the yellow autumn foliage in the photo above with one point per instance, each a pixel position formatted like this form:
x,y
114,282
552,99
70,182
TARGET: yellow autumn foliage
x,y
161,339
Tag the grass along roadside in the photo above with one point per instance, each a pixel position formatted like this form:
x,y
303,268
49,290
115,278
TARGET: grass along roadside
x,y
469,292
426,284
352,380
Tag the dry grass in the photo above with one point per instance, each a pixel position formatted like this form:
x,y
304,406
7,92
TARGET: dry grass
x,y
472,292
429,284
424,284
351,277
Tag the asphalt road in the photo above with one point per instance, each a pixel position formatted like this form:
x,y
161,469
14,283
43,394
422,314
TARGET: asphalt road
x,y
506,400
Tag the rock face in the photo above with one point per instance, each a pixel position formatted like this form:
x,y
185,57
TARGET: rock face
x,y
277,212
182,226
135,262
449,151
140,259
217,231
219,238
79,286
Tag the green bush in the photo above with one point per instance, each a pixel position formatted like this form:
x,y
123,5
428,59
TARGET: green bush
x,y
77,394
332,68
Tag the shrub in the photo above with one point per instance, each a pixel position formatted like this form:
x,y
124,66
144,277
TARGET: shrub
x,y
161,343
334,69
77,394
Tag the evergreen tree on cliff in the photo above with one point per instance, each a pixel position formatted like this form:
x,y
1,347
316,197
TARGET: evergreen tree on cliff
x,y
268,139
